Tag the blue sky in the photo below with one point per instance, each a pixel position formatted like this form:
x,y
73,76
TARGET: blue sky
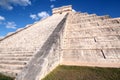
x,y
16,14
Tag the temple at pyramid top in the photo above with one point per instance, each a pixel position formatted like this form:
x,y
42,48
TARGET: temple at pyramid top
x,y
63,9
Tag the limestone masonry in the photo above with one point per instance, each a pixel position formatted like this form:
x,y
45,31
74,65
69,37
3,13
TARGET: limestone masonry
x,y
65,38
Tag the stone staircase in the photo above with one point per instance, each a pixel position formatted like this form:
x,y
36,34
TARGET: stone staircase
x,y
75,38
12,61
91,40
17,49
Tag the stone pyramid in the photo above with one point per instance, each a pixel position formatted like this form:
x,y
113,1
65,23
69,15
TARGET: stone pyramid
x,y
65,38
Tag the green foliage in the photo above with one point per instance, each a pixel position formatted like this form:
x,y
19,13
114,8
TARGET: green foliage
x,y
83,73
3,77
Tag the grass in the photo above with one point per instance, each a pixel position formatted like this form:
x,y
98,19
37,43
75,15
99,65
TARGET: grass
x,y
3,77
83,73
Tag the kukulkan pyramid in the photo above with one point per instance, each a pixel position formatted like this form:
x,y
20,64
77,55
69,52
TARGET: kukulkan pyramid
x,y
65,38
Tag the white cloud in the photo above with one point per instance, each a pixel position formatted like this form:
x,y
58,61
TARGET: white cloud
x,y
40,15
11,25
52,6
43,15
2,18
34,16
8,4
52,0
1,37
73,10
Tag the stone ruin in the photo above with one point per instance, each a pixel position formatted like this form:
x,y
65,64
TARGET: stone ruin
x,y
65,38
63,9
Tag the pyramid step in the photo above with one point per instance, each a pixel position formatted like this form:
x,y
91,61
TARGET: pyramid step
x,y
11,66
89,17
15,58
15,55
13,62
85,27
92,39
112,53
92,45
93,32
80,16
95,23
8,72
77,20
107,38
17,52
101,29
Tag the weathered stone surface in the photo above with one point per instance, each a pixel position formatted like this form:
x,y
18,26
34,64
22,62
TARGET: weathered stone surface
x,y
91,40
70,39
20,47
63,9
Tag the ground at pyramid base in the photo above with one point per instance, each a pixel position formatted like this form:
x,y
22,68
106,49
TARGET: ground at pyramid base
x,y
65,38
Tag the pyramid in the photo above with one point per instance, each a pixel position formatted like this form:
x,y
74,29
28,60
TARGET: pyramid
x,y
65,38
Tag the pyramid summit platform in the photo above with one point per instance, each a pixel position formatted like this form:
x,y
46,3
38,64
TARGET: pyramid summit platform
x,y
65,38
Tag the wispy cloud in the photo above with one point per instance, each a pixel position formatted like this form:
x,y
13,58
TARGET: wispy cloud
x,y
11,25
8,4
43,15
34,16
52,0
8,24
52,6
40,15
1,37
73,10
2,18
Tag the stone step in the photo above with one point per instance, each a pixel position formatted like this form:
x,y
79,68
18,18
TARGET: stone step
x,y
15,58
91,45
93,32
12,66
91,62
82,53
92,17
112,53
86,16
9,72
93,54
94,23
92,39
85,27
103,29
115,20
13,62
77,20
13,52
16,55
107,38
79,14
98,22
89,35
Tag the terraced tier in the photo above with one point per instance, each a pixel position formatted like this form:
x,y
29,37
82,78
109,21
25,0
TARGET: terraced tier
x,y
91,40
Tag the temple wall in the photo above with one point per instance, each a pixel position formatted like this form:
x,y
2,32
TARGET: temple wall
x,y
60,10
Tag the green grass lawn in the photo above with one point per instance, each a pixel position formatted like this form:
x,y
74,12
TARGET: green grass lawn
x,y
3,77
83,73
